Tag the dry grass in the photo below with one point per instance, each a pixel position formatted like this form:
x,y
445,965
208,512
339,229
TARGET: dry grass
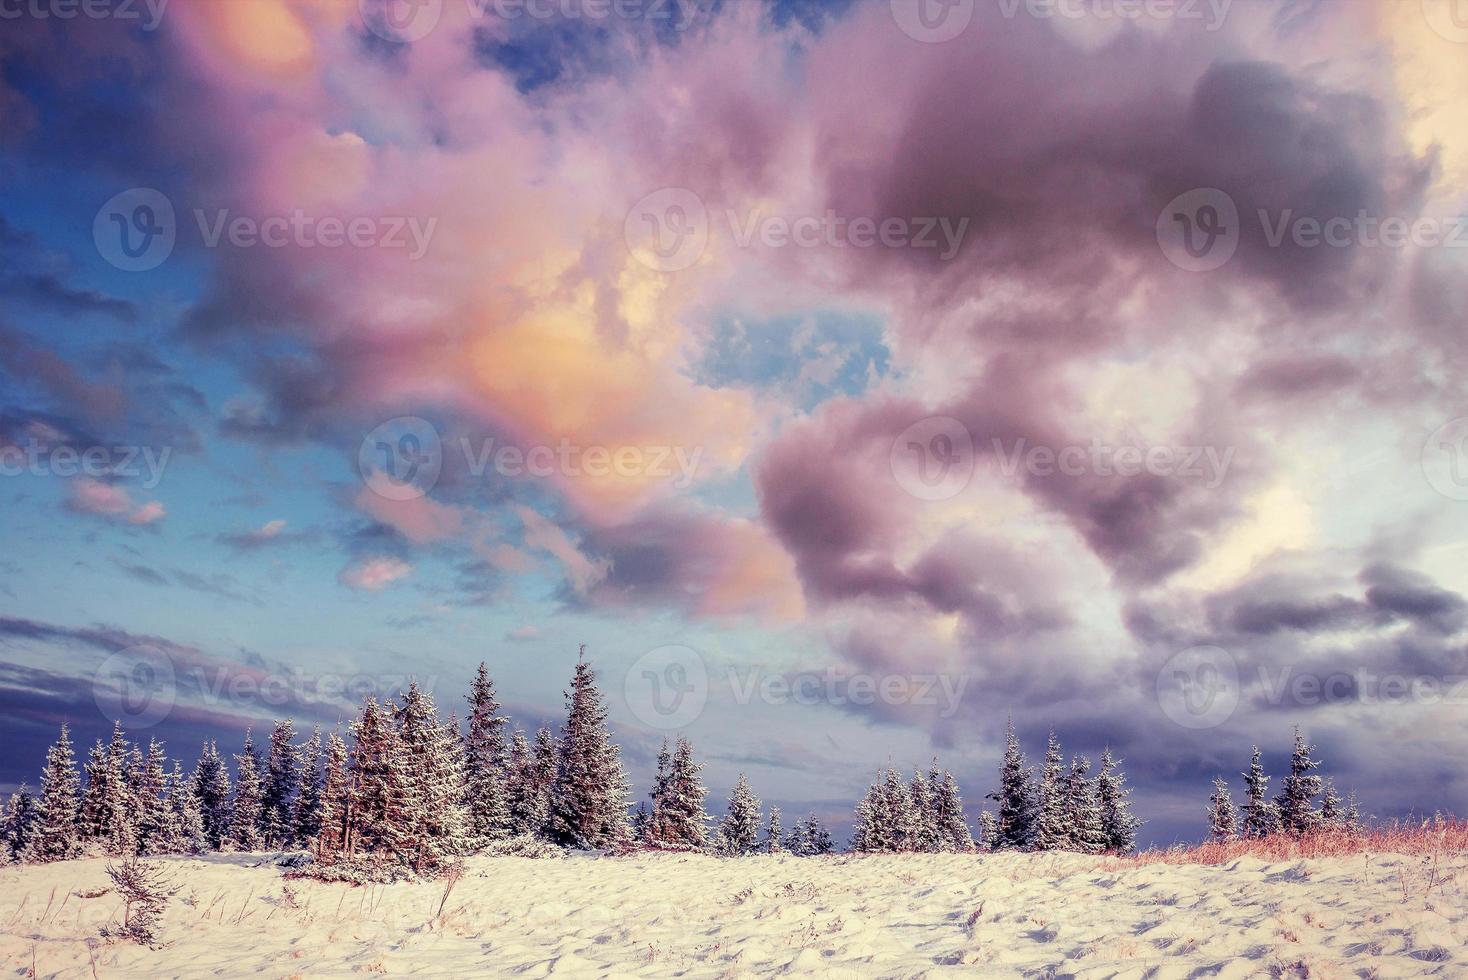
x,y
1434,837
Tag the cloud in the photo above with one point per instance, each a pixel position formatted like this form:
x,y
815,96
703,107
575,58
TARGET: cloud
x,y
112,502
374,574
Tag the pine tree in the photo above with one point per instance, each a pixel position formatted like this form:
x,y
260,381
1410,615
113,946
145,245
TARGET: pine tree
x,y
818,838
952,829
1353,813
307,814
677,820
739,831
1118,824
93,812
1332,808
149,783
652,830
774,842
56,834
1260,818
118,806
1015,825
868,830
277,816
1052,832
484,763
379,823
641,823
433,826
18,826
1083,809
1296,804
249,798
797,842
1223,816
589,796
988,830
901,814
924,819
186,833
335,838
212,789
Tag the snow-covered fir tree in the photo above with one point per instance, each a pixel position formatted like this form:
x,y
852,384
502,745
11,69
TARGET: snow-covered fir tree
x,y
817,838
186,833
430,777
1052,827
93,818
1083,809
740,828
334,839
1353,813
525,802
884,817
641,823
211,787
1296,803
1332,807
149,783
18,825
589,797
249,799
485,763
1223,816
797,842
1015,823
677,820
57,835
1118,823
378,822
988,830
951,826
277,816
774,842
924,835
1260,817
306,816
119,835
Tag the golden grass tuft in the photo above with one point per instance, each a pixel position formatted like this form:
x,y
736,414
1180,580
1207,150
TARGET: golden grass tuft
x,y
1441,835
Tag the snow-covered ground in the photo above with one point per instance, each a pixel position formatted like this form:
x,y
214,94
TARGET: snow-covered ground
x,y
666,915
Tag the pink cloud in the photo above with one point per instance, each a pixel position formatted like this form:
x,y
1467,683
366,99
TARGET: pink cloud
x,y
110,501
374,574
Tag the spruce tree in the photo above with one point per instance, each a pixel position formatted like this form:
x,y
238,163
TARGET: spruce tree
x,y
924,819
211,788
149,786
774,842
739,831
118,805
57,835
1052,831
1118,824
277,817
1260,817
432,823
335,839
589,796
652,830
818,838
1083,809
901,816
869,829
797,842
988,831
186,833
1296,804
307,813
1223,816
485,762
249,799
952,828
18,825
678,820
1353,813
1015,823
93,817
379,822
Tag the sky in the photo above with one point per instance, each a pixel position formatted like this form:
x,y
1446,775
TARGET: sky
x,y
849,378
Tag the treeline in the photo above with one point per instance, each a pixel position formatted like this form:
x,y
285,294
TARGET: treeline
x,y
414,791
1292,811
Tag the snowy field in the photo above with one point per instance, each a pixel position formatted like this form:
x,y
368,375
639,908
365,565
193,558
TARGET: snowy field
x,y
665,915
